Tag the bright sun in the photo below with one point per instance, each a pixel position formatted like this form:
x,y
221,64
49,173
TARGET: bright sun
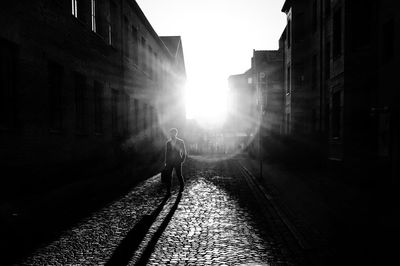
x,y
206,104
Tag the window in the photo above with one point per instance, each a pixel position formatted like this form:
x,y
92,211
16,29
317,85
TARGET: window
x,y
136,118
289,32
114,112
151,121
299,33
80,102
112,27
8,79
288,80
362,23
144,117
74,6
93,13
81,9
143,52
314,72
126,37
388,41
98,107
150,62
337,33
135,44
327,8
125,112
314,16
102,20
55,78
336,115
155,123
155,67
328,60
287,123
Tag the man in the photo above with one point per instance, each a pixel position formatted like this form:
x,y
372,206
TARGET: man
x,y
175,155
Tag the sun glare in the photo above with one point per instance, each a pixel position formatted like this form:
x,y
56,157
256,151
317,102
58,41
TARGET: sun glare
x,y
206,104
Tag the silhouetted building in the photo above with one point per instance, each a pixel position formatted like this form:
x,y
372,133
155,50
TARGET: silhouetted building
x,y
268,83
242,100
84,79
339,62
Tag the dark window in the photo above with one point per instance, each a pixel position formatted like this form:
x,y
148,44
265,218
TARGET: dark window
x,y
143,53
98,107
361,23
155,66
56,80
8,78
136,118
135,45
327,60
288,80
300,26
155,123
126,106
127,36
337,33
80,103
144,117
103,19
289,33
314,72
314,16
336,115
113,26
83,11
151,121
327,8
388,41
150,62
287,123
114,112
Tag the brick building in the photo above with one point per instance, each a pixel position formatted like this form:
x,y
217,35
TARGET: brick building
x,y
83,79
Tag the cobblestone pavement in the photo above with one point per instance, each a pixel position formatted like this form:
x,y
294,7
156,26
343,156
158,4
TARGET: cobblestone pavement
x,y
217,220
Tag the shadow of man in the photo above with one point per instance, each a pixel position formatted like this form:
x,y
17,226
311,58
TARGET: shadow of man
x,y
152,244
125,250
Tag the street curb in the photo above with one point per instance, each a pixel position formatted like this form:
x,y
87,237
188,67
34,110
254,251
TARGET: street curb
x,y
252,180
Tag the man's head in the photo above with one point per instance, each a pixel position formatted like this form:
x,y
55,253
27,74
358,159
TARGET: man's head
x,y
173,132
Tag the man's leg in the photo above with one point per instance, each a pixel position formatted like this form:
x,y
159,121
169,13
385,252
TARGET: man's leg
x,y
178,170
168,182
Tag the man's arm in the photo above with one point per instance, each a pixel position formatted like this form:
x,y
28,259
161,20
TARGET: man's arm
x,y
183,151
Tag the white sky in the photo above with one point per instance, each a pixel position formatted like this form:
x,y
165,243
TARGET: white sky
x,y
218,35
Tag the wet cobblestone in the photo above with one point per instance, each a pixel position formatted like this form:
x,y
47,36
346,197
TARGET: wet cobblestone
x,y
217,222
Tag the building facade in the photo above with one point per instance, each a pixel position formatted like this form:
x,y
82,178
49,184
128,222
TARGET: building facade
x,y
84,79
339,59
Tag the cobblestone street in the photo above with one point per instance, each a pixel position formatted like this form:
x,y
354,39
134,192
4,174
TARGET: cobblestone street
x,y
217,220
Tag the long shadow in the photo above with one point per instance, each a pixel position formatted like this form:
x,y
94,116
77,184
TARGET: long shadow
x,y
125,250
152,244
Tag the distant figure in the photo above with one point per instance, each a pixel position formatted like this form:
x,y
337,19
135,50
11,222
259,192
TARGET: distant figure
x,y
175,155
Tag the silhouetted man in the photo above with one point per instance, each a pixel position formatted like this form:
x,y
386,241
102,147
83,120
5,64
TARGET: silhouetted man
x,y
175,155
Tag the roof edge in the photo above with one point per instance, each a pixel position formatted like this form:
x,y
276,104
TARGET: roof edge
x,y
286,6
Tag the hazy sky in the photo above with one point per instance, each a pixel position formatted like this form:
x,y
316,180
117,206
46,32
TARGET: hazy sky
x,y
218,35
